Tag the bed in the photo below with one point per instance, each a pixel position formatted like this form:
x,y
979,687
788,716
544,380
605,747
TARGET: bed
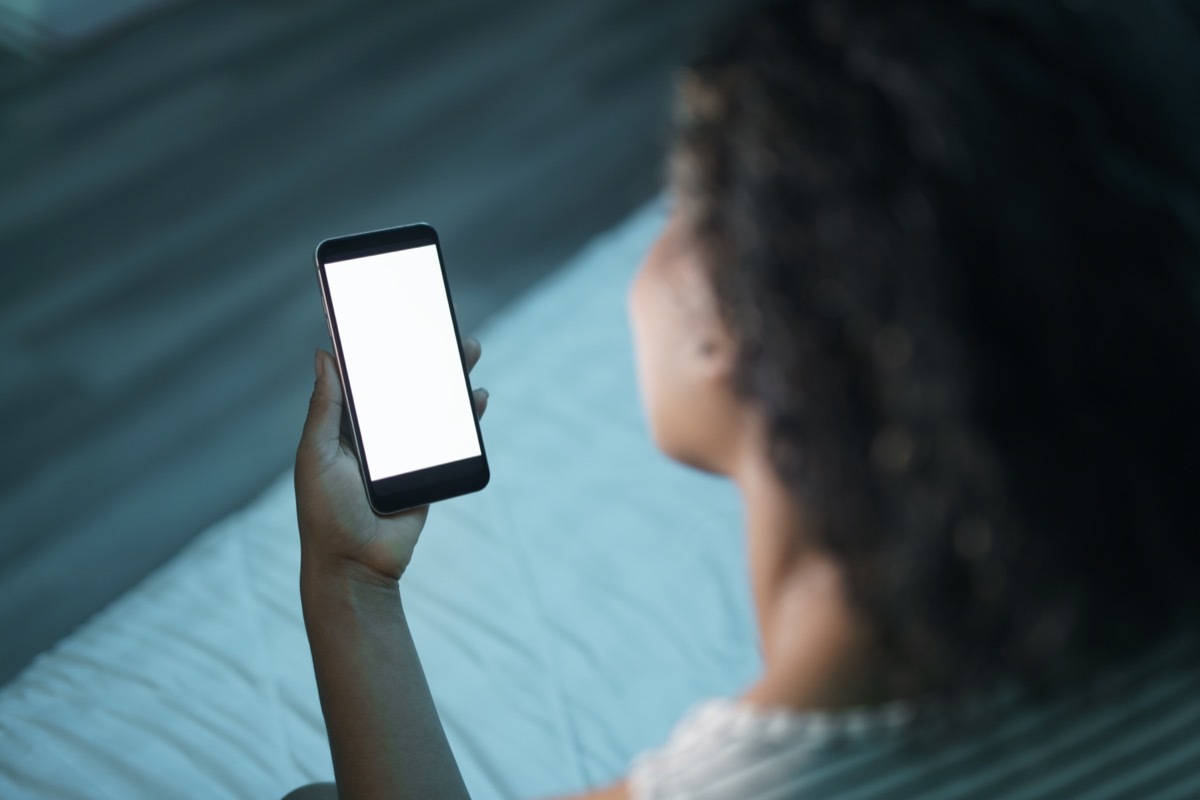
x,y
566,616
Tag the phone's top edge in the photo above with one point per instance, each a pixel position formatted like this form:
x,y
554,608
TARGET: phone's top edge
x,y
344,246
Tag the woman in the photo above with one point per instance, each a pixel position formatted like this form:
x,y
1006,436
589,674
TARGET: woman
x,y
928,296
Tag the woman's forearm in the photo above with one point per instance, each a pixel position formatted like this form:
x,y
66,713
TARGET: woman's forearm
x,y
384,731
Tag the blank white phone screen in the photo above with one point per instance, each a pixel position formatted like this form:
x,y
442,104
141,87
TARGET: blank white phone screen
x,y
402,361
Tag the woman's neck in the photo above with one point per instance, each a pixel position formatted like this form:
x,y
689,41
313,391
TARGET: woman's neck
x,y
818,654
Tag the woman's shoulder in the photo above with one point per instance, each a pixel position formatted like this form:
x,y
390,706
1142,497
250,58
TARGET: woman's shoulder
x,y
727,747
739,723
1144,716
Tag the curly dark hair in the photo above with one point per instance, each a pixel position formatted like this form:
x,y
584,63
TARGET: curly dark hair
x,y
957,245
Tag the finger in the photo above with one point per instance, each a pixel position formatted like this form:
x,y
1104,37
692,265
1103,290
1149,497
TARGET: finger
x,y
480,398
322,428
472,350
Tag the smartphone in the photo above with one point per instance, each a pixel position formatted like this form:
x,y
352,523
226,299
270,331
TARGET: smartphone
x,y
399,355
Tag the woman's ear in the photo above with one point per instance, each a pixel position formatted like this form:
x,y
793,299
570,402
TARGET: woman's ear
x,y
715,348
716,355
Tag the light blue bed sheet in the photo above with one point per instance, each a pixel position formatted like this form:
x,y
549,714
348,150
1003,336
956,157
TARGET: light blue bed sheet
x,y
566,616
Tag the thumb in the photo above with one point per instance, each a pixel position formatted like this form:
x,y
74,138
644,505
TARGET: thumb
x,y
322,429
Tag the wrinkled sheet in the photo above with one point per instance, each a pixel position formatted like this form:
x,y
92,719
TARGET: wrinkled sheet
x,y
566,616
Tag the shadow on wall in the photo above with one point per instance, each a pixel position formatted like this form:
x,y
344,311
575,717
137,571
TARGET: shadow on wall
x,y
41,28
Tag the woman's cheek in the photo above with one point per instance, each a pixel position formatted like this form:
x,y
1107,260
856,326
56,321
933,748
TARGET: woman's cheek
x,y
652,363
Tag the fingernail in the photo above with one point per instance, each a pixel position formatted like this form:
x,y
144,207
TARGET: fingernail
x,y
318,364
484,392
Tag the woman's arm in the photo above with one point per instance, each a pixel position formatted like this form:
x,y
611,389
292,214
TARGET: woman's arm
x,y
384,732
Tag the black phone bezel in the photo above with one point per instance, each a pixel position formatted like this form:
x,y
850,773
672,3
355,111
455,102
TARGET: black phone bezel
x,y
421,487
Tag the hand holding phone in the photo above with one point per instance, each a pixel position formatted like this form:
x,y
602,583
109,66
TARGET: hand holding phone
x,y
401,378
337,525
399,356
